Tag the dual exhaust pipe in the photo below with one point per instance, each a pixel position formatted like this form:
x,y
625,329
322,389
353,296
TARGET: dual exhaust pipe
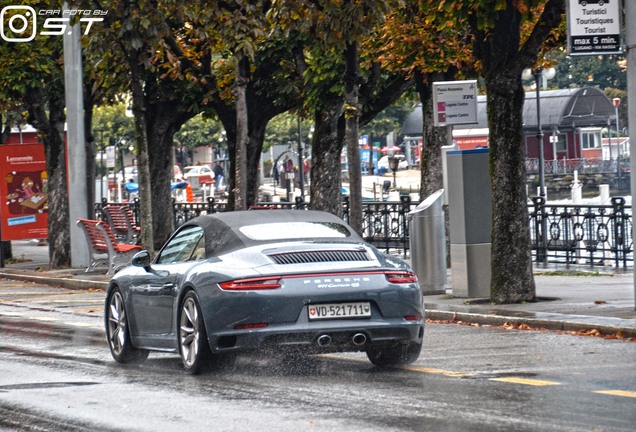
x,y
357,339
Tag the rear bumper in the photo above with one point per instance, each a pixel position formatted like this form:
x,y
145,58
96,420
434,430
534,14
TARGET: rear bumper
x,y
342,336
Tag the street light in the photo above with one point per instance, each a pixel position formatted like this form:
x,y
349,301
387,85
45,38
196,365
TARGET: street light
x,y
539,75
120,146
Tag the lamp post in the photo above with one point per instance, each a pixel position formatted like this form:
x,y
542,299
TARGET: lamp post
x,y
120,146
617,102
539,75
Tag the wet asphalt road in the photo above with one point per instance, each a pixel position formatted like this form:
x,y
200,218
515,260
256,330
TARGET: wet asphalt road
x,y
56,374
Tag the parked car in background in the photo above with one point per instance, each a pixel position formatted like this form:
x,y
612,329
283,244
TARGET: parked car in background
x,y
383,163
198,176
197,171
277,280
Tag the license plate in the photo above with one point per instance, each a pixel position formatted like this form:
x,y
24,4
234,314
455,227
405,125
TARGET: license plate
x,y
339,310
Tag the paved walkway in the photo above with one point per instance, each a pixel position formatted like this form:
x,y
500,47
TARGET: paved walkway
x,y
594,302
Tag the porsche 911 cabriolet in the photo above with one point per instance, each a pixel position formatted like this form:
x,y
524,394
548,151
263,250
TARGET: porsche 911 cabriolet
x,y
281,280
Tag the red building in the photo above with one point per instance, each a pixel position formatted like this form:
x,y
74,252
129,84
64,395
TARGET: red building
x,y
571,121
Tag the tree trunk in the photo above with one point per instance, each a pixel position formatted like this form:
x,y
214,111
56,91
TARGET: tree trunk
x,y
141,128
498,48
160,149
352,115
242,134
255,147
89,147
326,185
512,278
433,138
47,115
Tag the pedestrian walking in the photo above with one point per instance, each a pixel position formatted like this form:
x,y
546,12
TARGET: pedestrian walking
x,y
218,175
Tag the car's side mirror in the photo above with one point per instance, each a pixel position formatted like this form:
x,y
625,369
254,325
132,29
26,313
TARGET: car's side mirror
x,y
141,259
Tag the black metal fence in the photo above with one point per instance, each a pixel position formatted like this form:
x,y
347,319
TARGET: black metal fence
x,y
582,234
574,234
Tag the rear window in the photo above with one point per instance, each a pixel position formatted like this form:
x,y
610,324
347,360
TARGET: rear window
x,y
294,230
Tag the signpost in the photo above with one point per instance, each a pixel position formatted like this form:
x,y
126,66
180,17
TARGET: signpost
x,y
454,102
594,27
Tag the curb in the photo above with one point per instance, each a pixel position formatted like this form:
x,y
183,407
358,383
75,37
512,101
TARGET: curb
x,y
567,323
63,282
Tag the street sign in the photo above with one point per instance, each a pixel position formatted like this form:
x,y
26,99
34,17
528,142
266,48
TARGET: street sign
x,y
454,102
110,157
594,27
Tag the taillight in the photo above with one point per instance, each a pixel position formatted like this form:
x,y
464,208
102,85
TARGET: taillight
x,y
265,283
401,277
250,326
413,317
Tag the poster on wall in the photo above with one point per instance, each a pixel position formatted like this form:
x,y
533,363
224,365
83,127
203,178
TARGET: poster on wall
x,y
23,192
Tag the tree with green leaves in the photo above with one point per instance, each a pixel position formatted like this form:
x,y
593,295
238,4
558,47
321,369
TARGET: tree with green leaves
x,y
342,96
412,41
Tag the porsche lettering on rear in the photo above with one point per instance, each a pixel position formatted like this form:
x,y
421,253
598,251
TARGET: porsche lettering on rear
x,y
347,282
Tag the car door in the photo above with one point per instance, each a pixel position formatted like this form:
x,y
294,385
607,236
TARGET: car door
x,y
154,292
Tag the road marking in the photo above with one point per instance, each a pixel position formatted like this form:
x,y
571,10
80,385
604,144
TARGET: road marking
x,y
13,314
622,393
435,371
83,325
525,381
405,367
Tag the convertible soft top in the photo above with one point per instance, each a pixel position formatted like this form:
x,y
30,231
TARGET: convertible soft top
x,y
223,230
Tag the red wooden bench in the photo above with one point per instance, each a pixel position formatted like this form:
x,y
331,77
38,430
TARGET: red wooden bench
x,y
121,220
103,247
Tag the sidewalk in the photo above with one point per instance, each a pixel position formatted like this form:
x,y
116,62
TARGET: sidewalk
x,y
601,302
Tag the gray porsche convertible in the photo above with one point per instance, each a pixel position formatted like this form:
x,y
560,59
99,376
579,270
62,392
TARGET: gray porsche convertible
x,y
282,280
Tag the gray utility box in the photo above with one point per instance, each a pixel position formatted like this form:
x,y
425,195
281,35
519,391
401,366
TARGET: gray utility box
x,y
470,221
427,240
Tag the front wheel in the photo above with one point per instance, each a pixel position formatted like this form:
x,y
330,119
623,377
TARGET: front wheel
x,y
193,342
118,333
394,355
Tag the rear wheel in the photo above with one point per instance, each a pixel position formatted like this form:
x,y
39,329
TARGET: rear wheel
x,y
394,355
193,342
118,333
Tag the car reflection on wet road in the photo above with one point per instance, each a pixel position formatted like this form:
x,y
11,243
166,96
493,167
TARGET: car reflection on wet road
x,y
56,373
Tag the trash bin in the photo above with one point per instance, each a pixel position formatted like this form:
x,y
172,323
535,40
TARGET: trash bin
x,y
427,232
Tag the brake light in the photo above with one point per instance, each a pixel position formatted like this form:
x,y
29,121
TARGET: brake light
x,y
413,317
401,277
265,283
250,326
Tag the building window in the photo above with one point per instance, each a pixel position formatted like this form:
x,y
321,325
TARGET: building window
x,y
590,140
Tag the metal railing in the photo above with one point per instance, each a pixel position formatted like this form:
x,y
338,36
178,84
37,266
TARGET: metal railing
x,y
582,166
582,234
589,235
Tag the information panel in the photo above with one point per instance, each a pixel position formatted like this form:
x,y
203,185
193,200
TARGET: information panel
x,y
24,190
594,27
454,102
